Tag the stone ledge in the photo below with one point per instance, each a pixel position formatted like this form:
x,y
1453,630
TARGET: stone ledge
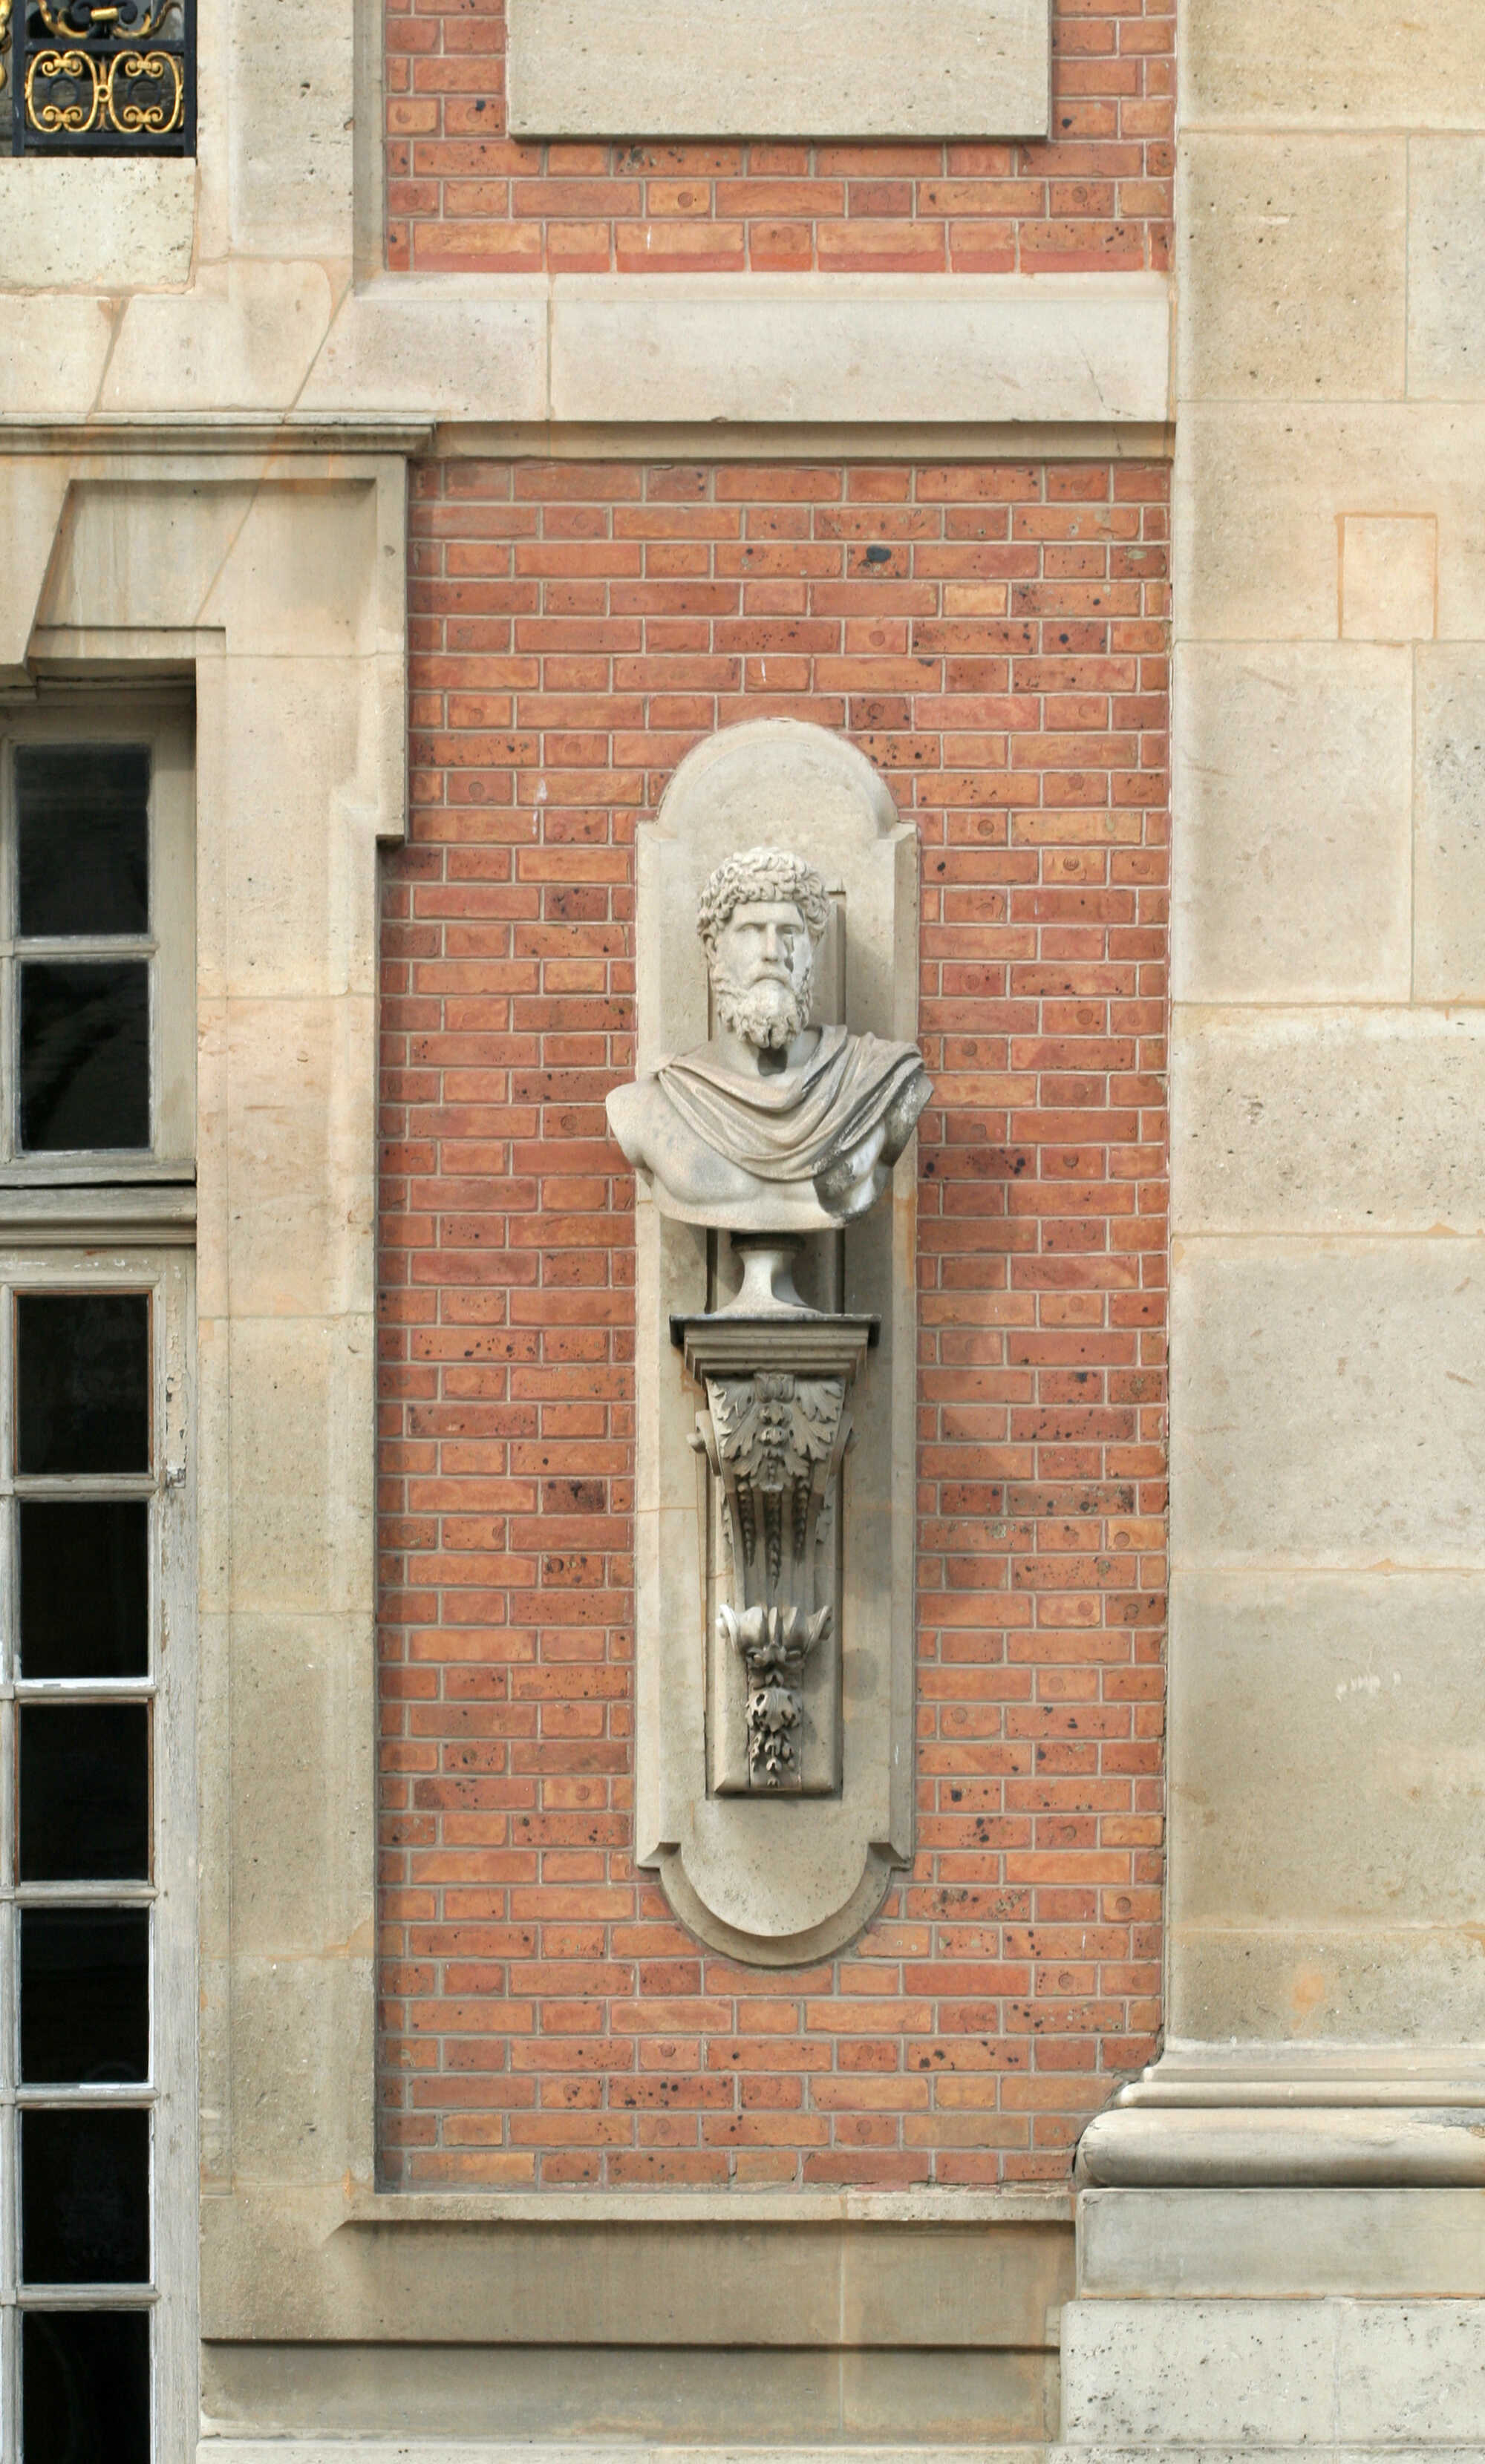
x,y
437,2450
1376,2117
271,341
1053,2206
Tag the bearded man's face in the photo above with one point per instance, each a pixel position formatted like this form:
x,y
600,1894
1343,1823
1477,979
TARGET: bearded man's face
x,y
762,964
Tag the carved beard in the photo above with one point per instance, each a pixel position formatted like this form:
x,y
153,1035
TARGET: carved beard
x,y
767,1015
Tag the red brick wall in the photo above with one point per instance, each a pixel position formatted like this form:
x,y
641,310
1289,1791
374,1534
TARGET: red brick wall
x,y
575,630
464,197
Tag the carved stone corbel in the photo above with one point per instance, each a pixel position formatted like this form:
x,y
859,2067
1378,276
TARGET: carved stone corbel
x,y
775,1432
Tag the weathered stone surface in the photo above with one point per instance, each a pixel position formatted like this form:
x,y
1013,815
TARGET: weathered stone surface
x,y
779,67
1292,868
1328,1120
1449,859
1381,1348
1263,486
1283,2244
884,346
72,225
1295,267
1445,269
1388,576
1189,2372
1361,1806
1335,64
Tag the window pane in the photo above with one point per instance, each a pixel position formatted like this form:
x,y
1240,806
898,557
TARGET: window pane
x,y
82,1381
85,2198
84,1055
84,1588
85,1792
83,813
85,2386
84,1996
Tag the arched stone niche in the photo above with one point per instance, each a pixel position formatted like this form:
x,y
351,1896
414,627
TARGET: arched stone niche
x,y
777,1881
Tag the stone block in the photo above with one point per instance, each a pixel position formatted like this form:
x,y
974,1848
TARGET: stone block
x,y
1449,845
1326,1768
1294,271
1411,2370
1341,64
903,347
51,365
32,492
301,1401
1282,2244
1342,1984
302,1191
1378,1349
1445,269
296,884
300,1786
1260,489
1196,2373
1292,873
95,225
617,2400
779,67
1328,1120
291,126
302,2031
438,345
1388,576
243,337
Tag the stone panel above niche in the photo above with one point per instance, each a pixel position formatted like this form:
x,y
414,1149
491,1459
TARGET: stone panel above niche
x,y
780,68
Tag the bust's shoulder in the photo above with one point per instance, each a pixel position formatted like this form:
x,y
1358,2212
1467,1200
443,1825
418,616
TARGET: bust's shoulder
x,y
628,1108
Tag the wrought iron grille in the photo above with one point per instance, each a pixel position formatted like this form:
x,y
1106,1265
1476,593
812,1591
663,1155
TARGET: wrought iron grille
x,y
81,78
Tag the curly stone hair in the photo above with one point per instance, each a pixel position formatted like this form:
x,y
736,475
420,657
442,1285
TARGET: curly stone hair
x,y
762,876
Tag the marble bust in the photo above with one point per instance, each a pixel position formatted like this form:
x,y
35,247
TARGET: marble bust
x,y
774,1125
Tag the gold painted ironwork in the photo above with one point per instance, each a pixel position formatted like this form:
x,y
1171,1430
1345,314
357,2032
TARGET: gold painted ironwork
x,y
88,74
161,119
76,18
74,69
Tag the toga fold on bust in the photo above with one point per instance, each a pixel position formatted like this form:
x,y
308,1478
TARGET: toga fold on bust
x,y
787,1129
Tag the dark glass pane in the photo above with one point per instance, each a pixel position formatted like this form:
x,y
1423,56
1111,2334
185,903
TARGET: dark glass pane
x,y
85,2386
84,2198
84,1790
82,815
85,1587
84,1996
84,1055
82,1381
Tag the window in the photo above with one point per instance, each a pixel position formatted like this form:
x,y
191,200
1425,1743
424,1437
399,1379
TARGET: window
x,y
89,79
97,994
98,1996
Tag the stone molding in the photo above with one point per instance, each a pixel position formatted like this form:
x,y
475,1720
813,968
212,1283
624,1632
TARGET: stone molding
x,y
1295,2116
293,338
438,2450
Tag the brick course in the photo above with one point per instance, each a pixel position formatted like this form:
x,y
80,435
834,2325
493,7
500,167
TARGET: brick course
x,y
995,639
464,197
